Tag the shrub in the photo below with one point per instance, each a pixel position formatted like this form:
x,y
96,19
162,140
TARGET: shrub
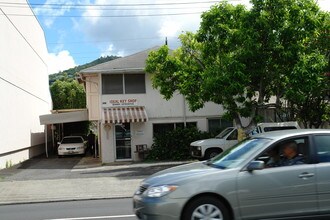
x,y
174,145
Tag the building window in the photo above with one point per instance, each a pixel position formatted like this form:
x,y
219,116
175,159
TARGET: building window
x,y
112,84
216,125
162,128
135,84
123,84
166,127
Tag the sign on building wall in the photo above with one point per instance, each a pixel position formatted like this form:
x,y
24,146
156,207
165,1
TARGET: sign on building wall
x,y
120,102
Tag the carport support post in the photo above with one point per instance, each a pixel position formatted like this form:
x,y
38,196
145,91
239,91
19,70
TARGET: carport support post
x,y
53,141
46,140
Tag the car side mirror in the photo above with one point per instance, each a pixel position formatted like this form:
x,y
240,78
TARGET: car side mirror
x,y
256,165
58,143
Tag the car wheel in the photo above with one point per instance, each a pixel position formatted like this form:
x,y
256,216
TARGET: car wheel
x,y
206,208
211,153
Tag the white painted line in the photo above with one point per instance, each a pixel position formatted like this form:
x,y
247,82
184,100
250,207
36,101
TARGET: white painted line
x,y
97,217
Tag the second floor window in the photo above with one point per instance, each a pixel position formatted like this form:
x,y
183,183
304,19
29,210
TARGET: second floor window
x,y
123,84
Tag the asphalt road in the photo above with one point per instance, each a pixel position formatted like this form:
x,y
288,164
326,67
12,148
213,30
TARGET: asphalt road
x,y
113,209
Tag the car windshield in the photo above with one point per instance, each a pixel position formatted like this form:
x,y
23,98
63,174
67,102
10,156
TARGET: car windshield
x,y
236,155
224,133
71,140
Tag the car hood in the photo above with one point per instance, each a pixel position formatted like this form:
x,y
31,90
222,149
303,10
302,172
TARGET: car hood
x,y
211,141
181,173
72,145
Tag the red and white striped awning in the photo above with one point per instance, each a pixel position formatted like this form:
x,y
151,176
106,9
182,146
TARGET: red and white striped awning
x,y
125,114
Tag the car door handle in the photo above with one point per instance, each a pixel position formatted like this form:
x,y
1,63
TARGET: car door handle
x,y
306,175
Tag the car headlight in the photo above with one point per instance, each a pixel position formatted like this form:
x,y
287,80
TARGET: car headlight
x,y
80,147
199,148
159,191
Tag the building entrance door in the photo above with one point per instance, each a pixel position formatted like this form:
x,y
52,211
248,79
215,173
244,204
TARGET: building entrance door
x,y
123,141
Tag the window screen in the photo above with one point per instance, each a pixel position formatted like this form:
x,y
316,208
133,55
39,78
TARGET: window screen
x,y
135,84
163,128
166,127
112,84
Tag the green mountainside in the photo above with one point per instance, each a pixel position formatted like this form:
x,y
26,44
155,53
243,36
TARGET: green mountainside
x,y
71,73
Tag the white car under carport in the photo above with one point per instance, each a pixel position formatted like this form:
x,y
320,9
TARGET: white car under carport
x,y
72,145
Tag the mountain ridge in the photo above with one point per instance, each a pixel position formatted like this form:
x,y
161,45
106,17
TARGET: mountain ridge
x,y
71,73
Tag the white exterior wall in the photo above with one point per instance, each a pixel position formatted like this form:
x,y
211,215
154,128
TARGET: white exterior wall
x,y
93,97
24,90
158,110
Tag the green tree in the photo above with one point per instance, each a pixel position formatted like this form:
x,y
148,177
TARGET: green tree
x,y
241,58
67,94
310,87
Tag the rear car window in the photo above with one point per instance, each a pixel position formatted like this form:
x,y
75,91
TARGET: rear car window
x,y
322,143
72,140
267,129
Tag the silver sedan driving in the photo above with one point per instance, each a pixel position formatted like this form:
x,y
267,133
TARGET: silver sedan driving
x,y
275,175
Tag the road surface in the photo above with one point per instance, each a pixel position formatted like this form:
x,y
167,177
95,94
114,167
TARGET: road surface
x,y
111,209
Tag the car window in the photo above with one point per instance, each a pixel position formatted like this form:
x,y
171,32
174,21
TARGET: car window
x,y
322,143
224,133
72,140
233,136
286,153
268,129
236,155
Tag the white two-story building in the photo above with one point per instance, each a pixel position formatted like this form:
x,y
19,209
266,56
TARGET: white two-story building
x,y
129,111
24,89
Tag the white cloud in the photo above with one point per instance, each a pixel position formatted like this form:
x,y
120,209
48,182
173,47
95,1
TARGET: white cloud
x,y
112,51
60,61
170,28
53,8
324,5
110,35
127,35
92,13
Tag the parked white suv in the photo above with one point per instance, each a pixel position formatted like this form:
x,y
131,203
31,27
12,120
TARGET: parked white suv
x,y
208,148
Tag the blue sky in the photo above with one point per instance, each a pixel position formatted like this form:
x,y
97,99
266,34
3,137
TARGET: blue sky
x,y
80,31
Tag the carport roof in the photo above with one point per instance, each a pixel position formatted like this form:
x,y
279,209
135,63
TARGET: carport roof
x,y
65,116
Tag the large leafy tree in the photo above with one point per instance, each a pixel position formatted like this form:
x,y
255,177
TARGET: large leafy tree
x,y
67,94
309,89
241,58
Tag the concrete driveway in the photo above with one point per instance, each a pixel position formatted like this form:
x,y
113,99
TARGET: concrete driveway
x,y
73,167
73,178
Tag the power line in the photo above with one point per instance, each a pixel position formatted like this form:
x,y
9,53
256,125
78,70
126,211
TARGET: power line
x,y
22,35
110,9
109,16
24,90
104,7
114,5
99,51
110,41
3,79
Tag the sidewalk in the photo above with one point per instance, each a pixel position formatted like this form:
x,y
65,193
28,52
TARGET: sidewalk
x,y
68,189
